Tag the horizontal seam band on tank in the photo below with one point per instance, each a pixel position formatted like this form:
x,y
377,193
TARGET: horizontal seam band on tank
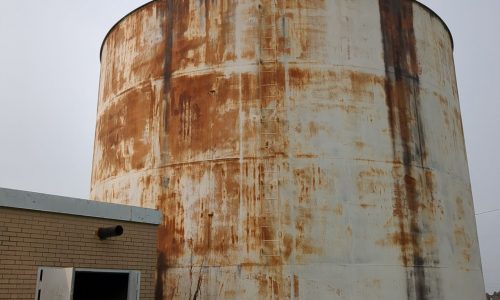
x,y
114,98
150,170
251,265
380,71
221,68
210,69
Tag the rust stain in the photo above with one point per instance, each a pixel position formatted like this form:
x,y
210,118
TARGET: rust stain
x,y
296,293
190,118
171,231
202,117
146,183
313,128
444,107
402,97
338,210
311,41
202,33
429,241
349,231
371,181
359,83
145,58
460,208
288,246
463,243
262,280
299,77
305,155
458,119
434,206
304,179
161,268
366,206
123,132
359,145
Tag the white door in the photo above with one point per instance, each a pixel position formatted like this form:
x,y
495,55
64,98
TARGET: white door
x,y
54,284
134,285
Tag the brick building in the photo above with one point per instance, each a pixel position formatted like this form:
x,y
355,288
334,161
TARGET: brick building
x,y
50,243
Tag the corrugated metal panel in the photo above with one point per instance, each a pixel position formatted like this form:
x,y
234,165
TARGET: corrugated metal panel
x,y
298,149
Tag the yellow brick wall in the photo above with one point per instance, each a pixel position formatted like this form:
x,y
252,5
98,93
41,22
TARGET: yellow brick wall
x,y
30,239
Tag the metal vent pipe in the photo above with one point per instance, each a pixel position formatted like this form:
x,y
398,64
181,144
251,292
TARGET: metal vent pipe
x,y
107,232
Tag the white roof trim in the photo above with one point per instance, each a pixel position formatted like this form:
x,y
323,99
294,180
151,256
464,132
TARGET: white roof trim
x,y
78,207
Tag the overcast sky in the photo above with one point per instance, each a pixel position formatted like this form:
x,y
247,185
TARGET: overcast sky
x,y
49,74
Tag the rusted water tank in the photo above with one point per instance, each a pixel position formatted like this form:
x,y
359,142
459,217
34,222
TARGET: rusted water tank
x,y
297,149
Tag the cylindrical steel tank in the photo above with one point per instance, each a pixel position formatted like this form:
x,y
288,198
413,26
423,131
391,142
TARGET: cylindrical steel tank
x,y
297,149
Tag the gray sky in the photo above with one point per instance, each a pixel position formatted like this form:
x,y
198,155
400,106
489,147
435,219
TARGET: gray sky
x,y
49,74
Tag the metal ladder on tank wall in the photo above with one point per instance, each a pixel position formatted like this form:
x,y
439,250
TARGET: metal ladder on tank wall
x,y
269,131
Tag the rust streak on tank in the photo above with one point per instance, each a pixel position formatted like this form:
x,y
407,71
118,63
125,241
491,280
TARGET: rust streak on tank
x,y
296,287
161,268
402,88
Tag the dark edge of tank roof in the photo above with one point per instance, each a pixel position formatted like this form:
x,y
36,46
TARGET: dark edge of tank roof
x,y
118,23
434,14
425,7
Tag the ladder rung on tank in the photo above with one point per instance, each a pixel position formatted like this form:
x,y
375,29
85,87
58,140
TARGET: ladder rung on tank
x,y
269,132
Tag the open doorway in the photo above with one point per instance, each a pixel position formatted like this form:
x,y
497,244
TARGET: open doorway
x,y
100,286
87,284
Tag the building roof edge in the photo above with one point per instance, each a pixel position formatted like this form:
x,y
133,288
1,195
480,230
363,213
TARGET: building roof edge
x,y
79,207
